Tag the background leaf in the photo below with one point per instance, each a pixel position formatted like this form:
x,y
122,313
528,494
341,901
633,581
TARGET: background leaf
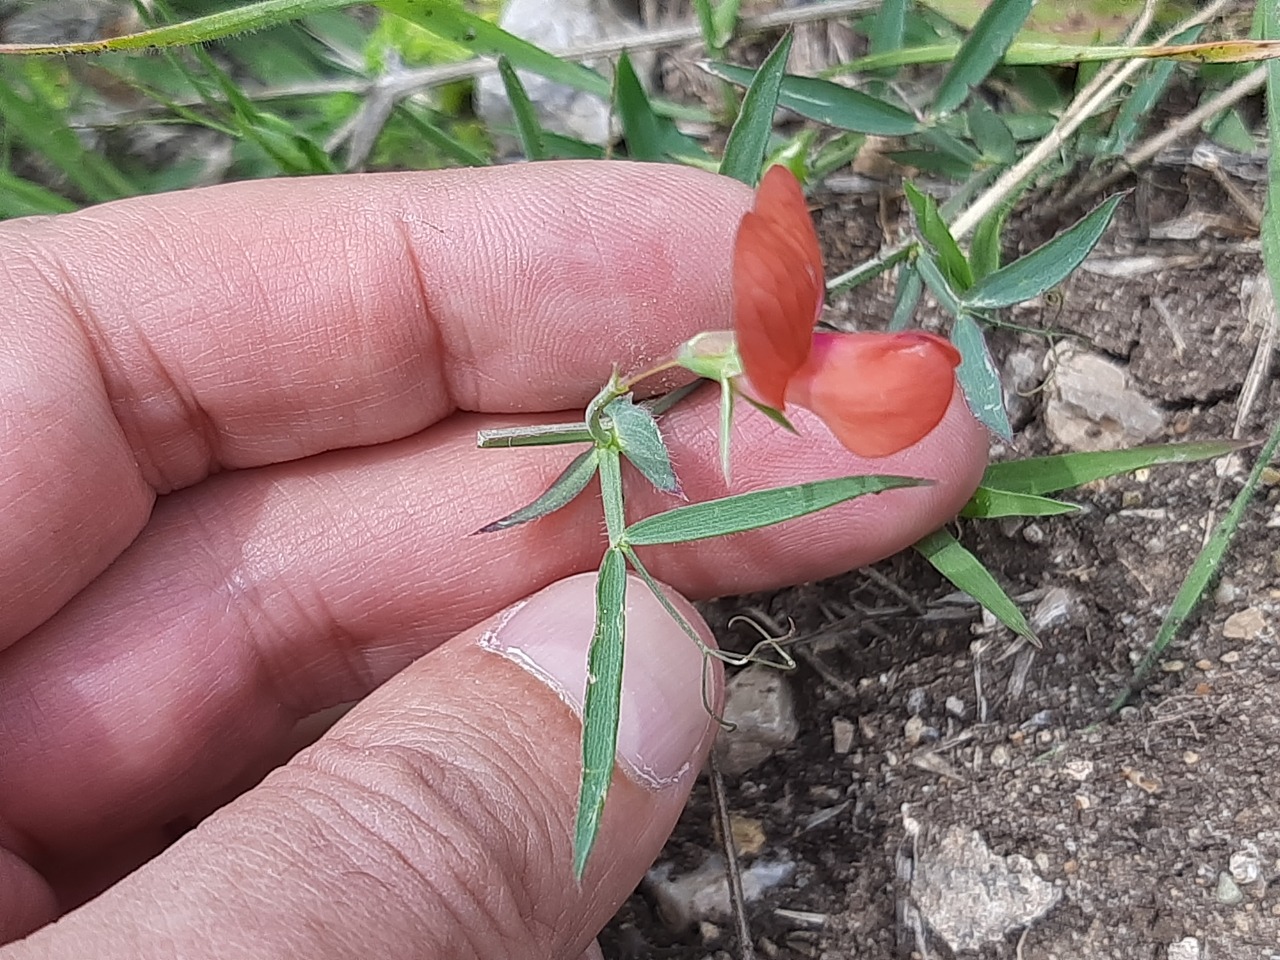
x,y
966,571
1041,475
528,129
1046,266
989,503
934,230
829,103
980,51
744,151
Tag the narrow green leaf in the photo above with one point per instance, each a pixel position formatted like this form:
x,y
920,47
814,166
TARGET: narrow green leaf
x,y
980,51
966,571
1037,476
952,146
888,28
984,249
649,136
829,103
988,503
750,511
836,154
1046,266
717,21
744,150
642,443
420,118
561,147
1135,109
22,198
1209,561
777,416
528,128
1230,129
933,161
991,135
910,286
935,231
215,26
933,277
979,378
601,708
25,115
706,23
571,482
639,124
870,269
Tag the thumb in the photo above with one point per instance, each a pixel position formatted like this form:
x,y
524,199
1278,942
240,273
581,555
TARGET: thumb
x,y
435,820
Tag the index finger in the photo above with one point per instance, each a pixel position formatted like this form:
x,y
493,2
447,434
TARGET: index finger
x,y
154,341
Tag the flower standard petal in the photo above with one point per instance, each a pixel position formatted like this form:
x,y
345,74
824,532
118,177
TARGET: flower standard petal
x,y
877,392
777,286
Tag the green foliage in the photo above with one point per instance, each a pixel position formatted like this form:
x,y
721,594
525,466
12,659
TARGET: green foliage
x,y
527,126
1046,266
981,50
950,558
750,511
602,705
745,148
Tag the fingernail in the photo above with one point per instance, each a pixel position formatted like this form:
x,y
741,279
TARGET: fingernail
x,y
663,720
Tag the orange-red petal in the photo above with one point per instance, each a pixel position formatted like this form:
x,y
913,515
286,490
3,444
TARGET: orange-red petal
x,y
877,392
778,285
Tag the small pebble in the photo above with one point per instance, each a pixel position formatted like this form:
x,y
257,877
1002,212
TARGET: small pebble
x,y
842,735
1244,867
1037,721
956,707
1188,948
1231,656
1190,758
1247,624
914,730
1078,769
917,700
1173,666
1228,891
1204,665
1225,593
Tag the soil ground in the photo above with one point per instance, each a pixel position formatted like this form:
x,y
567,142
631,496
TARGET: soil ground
x,y
1154,825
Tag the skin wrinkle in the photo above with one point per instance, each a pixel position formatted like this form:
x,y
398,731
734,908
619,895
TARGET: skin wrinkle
x,y
475,904
321,837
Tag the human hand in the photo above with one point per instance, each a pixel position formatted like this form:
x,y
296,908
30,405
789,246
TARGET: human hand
x,y
299,368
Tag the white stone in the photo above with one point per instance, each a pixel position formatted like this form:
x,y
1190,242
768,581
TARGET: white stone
x,y
761,707
1091,405
558,25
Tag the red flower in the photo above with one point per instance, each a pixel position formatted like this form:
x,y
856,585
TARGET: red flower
x,y
878,392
